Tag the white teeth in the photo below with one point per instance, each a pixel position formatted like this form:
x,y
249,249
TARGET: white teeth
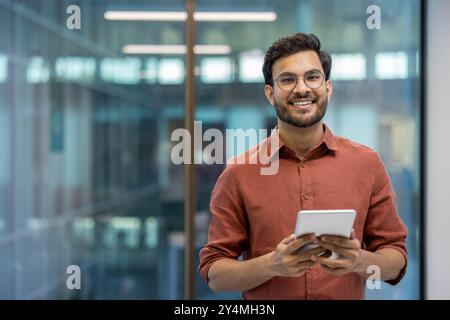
x,y
302,103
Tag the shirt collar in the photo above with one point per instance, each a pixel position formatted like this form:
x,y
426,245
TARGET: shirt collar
x,y
328,139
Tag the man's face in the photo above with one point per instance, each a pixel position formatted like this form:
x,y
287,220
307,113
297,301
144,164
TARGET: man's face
x,y
302,106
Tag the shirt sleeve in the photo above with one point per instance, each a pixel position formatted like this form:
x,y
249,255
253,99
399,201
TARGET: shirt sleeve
x,y
384,227
228,231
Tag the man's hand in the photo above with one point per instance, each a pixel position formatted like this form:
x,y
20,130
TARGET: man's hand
x,y
286,261
349,251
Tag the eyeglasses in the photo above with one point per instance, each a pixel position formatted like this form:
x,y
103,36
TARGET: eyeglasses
x,y
313,79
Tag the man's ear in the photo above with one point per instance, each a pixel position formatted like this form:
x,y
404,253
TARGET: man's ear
x,y
329,89
268,90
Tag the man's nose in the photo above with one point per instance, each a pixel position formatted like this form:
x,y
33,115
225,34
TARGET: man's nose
x,y
301,87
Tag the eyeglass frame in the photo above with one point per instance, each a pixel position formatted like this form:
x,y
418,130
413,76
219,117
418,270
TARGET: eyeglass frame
x,y
303,79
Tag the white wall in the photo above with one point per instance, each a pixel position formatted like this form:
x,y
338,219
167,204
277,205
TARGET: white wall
x,y
438,153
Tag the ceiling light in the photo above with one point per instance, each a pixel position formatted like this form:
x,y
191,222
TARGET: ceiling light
x,y
174,49
182,16
146,15
154,49
236,16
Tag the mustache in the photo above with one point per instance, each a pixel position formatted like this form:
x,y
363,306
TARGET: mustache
x,y
298,96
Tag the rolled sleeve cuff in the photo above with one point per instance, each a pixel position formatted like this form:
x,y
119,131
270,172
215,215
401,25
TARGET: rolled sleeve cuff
x,y
402,273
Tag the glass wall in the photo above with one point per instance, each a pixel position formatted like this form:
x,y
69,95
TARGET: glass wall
x,y
376,96
87,111
85,176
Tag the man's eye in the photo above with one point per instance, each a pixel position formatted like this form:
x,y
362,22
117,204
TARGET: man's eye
x,y
313,77
287,80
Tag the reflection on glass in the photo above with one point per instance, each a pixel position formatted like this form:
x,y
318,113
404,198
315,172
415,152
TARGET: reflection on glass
x,y
85,173
349,66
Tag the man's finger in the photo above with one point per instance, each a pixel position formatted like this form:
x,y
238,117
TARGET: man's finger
x,y
289,239
340,241
314,251
306,265
300,242
330,246
346,252
332,263
306,255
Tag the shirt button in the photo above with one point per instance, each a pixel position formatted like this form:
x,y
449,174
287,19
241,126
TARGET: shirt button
x,y
306,196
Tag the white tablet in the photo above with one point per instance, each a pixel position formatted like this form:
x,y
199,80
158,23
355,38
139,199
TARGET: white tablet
x,y
323,222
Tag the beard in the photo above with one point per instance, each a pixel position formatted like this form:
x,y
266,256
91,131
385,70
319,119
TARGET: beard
x,y
301,118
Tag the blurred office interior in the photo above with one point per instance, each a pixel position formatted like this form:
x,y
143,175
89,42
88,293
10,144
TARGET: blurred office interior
x,y
86,115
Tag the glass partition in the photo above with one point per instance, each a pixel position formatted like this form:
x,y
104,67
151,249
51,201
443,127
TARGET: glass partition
x,y
376,96
85,172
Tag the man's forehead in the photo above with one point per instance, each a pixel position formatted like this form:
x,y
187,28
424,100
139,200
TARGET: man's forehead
x,y
299,62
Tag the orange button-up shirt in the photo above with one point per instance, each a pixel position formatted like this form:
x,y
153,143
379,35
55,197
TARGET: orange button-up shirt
x,y
252,213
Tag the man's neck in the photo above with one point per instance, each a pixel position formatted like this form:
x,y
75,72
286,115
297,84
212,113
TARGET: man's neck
x,y
301,140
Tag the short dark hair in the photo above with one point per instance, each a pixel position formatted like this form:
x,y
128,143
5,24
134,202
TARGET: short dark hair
x,y
292,44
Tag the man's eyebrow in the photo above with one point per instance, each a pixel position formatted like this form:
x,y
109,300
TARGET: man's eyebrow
x,y
315,70
288,73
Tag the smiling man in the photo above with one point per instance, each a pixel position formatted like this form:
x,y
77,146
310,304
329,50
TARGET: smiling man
x,y
253,215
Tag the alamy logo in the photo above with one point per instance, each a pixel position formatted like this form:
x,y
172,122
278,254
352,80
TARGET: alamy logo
x,y
74,280
374,280
74,20
374,20
215,151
